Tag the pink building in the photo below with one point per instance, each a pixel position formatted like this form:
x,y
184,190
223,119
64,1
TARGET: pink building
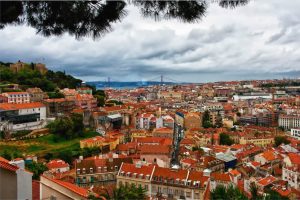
x,y
156,154
17,97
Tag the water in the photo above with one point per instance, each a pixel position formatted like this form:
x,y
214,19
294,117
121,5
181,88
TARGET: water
x,y
125,85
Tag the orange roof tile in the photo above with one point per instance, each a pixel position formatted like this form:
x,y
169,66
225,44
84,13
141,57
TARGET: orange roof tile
x,y
155,149
13,106
221,177
267,180
74,188
145,170
3,159
7,166
57,163
295,158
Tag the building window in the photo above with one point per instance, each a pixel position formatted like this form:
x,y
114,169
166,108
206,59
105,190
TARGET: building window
x,y
146,187
52,197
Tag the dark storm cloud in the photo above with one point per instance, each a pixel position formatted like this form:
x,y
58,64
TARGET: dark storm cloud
x,y
225,45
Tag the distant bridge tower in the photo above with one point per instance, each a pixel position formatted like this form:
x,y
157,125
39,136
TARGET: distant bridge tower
x,y
108,81
161,79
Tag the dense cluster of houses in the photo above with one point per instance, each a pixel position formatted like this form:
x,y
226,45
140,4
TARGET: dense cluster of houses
x,y
157,139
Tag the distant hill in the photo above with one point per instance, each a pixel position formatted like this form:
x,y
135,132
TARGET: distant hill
x,y
29,77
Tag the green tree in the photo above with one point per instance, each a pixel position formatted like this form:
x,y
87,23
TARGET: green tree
x,y
229,193
37,169
62,127
219,121
225,139
100,100
78,126
126,192
206,120
281,140
273,195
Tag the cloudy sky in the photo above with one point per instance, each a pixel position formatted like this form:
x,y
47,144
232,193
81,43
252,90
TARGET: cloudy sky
x,y
258,41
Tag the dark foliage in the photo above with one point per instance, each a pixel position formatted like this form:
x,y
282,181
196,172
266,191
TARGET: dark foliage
x,y
37,169
94,18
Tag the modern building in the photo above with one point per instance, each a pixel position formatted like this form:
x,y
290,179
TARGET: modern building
x,y
23,116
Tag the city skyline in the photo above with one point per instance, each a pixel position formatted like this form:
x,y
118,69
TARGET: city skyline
x,y
227,44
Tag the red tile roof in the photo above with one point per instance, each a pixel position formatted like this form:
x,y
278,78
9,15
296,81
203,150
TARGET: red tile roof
x,y
3,159
13,106
78,190
295,158
198,176
7,166
54,164
267,180
154,149
221,177
170,173
145,170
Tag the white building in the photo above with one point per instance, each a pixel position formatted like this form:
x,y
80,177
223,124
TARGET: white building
x,y
289,121
23,116
291,170
17,97
15,182
252,96
295,133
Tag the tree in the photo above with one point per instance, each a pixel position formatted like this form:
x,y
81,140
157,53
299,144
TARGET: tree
x,y
281,140
206,120
271,195
62,127
225,139
94,18
37,169
126,192
78,126
100,100
219,121
254,192
229,193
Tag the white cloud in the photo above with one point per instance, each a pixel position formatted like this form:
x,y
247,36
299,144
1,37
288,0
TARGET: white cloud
x,y
259,40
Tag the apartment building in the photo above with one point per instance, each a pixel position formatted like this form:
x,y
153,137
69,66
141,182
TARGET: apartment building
x,y
36,94
164,182
59,106
289,121
17,97
98,170
259,141
291,170
295,133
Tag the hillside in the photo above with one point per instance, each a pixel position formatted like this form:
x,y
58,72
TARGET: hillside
x,y
28,77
